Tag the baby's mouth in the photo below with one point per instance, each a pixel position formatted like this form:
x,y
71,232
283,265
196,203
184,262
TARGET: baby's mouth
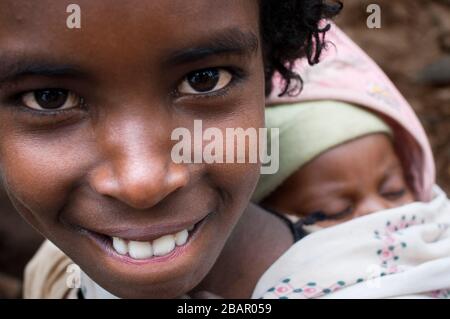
x,y
159,247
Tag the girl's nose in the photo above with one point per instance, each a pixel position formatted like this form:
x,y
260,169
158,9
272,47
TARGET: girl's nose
x,y
136,167
372,204
140,184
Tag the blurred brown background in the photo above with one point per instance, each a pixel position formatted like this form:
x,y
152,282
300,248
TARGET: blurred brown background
x,y
412,46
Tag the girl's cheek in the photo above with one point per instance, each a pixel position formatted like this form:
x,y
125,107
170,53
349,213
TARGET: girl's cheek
x,y
39,171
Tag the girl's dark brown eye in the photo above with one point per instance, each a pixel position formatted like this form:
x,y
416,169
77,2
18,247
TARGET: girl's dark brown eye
x,y
51,99
205,81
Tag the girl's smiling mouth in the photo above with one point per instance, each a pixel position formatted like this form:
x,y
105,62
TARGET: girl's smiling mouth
x,y
144,246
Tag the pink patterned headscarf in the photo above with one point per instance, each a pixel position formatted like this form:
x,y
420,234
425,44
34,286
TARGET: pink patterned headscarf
x,y
347,74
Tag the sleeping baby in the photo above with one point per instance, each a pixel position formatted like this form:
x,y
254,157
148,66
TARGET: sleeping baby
x,y
345,164
365,232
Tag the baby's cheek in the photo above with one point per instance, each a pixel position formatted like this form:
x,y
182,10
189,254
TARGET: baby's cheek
x,y
408,198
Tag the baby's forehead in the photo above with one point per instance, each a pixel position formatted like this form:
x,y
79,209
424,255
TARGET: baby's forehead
x,y
371,155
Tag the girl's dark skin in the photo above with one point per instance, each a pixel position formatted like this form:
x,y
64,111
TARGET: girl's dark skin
x,y
101,161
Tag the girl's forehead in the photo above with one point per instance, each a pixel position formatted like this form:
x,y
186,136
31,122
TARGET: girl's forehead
x,y
115,15
159,22
125,31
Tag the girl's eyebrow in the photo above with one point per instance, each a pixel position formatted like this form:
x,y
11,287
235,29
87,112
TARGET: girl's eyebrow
x,y
14,67
228,41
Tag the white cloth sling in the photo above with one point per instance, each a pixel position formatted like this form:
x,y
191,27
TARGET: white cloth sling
x,y
397,253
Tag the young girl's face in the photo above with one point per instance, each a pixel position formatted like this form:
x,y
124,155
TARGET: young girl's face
x,y
86,117
354,179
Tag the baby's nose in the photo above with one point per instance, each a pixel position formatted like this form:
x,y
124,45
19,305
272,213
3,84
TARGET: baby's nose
x,y
372,204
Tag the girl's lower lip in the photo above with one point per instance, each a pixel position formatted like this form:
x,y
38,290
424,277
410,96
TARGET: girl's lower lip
x,y
105,244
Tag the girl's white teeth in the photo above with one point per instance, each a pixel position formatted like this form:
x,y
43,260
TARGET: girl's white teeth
x,y
181,237
143,250
140,249
120,245
163,245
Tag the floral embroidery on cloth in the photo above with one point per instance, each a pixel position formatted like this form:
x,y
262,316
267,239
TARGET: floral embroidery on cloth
x,y
285,290
440,294
392,243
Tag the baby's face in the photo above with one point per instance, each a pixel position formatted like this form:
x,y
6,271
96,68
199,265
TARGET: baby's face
x,y
86,117
354,179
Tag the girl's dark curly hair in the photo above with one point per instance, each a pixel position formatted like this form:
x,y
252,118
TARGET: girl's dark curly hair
x,y
290,30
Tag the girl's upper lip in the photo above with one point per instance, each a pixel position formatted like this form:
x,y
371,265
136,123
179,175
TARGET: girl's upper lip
x,y
145,233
